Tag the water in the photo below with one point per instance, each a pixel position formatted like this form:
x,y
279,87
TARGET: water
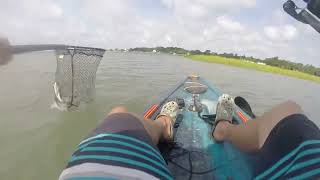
x,y
36,141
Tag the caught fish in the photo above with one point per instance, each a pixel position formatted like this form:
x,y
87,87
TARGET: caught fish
x,y
61,103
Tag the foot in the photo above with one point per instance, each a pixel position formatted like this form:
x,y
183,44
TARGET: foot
x,y
225,108
118,109
167,124
168,116
224,114
221,131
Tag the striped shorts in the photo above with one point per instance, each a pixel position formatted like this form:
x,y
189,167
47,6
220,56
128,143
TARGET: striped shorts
x,y
291,151
119,148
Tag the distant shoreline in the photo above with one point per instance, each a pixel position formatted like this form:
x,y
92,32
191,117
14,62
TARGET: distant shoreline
x,y
254,66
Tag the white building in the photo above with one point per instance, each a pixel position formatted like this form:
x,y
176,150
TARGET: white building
x,y
261,63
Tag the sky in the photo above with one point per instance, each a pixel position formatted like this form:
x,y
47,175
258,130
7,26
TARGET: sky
x,y
258,28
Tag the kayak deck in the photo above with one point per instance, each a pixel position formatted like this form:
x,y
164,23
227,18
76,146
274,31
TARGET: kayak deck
x,y
194,154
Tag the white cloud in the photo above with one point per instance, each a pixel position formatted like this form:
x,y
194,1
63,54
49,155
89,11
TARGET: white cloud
x,y
227,4
281,33
192,24
211,4
228,24
272,32
204,9
36,9
168,3
278,16
290,32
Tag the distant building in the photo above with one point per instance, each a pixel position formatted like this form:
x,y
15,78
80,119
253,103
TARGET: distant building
x,y
261,63
249,61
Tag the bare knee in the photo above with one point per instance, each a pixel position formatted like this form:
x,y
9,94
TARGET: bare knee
x,y
291,107
118,109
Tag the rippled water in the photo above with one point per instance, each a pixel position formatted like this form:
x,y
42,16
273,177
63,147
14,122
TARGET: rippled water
x,y
36,141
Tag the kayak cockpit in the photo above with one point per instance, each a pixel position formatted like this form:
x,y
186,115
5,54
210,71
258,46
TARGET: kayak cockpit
x,y
194,153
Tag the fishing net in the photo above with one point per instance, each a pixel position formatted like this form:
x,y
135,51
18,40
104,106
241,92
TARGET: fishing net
x,y
75,75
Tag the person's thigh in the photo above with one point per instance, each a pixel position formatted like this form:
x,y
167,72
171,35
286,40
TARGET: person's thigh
x,y
294,140
118,148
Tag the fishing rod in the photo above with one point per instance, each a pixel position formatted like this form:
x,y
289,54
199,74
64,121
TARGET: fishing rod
x,y
308,15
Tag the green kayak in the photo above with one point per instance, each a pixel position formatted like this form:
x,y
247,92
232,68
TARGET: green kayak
x,y
194,154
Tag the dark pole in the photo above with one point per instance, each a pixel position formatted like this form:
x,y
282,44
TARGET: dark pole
x,y
5,52
40,47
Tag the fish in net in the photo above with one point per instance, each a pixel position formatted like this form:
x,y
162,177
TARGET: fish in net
x,y
75,76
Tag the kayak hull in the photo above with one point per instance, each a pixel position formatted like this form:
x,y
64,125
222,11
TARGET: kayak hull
x,y
194,153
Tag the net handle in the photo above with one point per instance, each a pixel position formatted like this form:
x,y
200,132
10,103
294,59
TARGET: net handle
x,y
17,49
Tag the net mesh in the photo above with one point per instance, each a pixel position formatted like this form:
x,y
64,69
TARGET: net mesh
x,y
75,75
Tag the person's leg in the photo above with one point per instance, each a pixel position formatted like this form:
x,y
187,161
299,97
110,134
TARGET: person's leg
x,y
122,146
252,135
157,129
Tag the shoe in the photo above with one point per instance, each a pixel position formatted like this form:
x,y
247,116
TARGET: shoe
x,y
224,110
170,109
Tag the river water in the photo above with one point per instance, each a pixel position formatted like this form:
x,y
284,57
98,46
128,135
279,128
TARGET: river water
x,y
36,140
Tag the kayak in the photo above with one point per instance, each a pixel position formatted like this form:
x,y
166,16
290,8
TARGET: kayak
x,y
194,154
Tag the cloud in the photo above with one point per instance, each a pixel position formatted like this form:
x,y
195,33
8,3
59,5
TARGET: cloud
x,y
31,9
25,22
210,4
228,24
290,32
204,9
194,24
228,4
281,33
272,32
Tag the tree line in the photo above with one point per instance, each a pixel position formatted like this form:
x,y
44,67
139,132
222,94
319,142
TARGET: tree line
x,y
272,61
